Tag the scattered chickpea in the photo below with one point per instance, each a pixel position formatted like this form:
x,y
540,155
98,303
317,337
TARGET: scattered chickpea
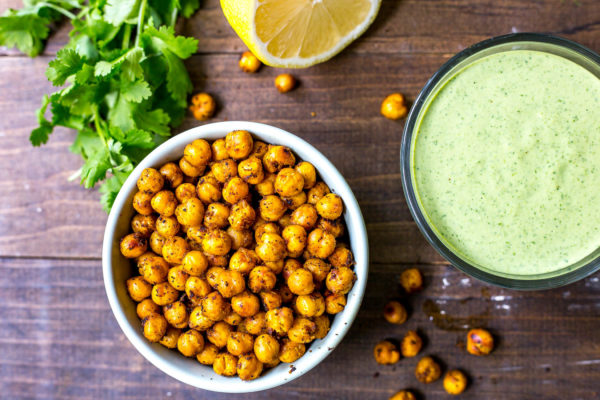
x,y
395,313
285,82
480,342
249,62
403,395
394,106
411,280
411,344
386,353
203,106
427,370
455,382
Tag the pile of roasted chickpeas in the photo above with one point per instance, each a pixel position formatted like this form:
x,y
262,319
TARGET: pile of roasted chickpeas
x,y
240,255
479,342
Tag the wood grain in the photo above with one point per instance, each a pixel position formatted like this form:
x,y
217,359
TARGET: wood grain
x,y
59,340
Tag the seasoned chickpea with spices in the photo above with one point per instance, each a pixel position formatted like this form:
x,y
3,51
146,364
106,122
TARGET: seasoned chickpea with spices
x,y
411,280
271,247
242,215
167,226
301,282
194,263
317,192
340,280
285,82
266,348
239,144
174,249
290,351
335,303
243,260
196,288
214,306
270,299
133,245
386,353
335,226
198,153
163,294
427,370
190,212
169,340
245,304
138,288
323,325
219,150
455,382
208,189
310,305
318,268
249,63
172,175
255,324
154,270
239,343
260,230
248,367
295,238
164,203
306,216
143,224
155,327
272,208
251,170
191,170
217,242
280,320
225,364
150,181
199,321
190,343
219,333
480,342
178,277
289,266
208,355
141,203
277,158
266,187
157,241
288,182
216,216
239,239
175,313
320,244
235,190
203,106
261,278
185,191
330,206
411,344
231,283
395,313
224,170
233,318
341,257
259,149
292,203
147,307
308,172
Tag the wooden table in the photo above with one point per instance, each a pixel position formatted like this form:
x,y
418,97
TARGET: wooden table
x,y
58,337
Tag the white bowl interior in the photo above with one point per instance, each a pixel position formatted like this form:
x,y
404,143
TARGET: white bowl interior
x,y
117,269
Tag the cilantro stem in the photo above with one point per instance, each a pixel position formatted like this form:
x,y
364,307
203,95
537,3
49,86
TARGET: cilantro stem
x,y
174,16
59,9
126,37
140,23
98,126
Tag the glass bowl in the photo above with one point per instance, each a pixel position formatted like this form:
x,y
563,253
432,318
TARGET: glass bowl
x,y
517,41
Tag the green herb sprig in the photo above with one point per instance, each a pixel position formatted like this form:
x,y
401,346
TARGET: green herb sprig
x,y
124,84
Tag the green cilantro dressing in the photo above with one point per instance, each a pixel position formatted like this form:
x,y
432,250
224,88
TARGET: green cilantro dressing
x,y
506,162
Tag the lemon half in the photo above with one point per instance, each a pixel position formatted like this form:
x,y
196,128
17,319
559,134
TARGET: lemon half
x,y
298,33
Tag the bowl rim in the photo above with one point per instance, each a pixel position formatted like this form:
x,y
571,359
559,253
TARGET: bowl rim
x,y
509,281
358,241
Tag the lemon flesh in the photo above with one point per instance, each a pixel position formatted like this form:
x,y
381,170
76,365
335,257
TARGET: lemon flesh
x,y
298,33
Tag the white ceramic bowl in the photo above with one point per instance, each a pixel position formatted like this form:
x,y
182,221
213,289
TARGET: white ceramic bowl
x,y
117,269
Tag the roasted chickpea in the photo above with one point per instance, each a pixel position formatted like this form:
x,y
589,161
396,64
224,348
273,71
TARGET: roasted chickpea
x,y
233,318
266,187
167,226
317,192
138,288
147,307
242,216
219,333
214,306
308,172
386,353
196,288
190,343
164,203
394,106
169,340
251,170
219,151
194,263
330,206
341,257
199,321
295,239
175,313
271,247
335,303
455,382
239,343
154,270
245,304
270,299
411,280
255,325
196,235
239,144
275,266
224,170
155,327
248,367
174,249
288,182
265,228
318,268
231,283
216,216
427,370
208,355
177,277
217,261
190,170
163,294
240,239
335,226
185,191
301,282
208,189
261,278
306,216
235,190
249,63
213,276
280,320
198,153
217,242
133,245
172,175
277,158
310,305
143,259
285,82
320,244
291,351
395,313
480,342
157,241
259,149
190,212
289,267
340,280
225,364
403,395
292,203
243,261
143,224
286,294
141,203
271,208
150,181
266,348
411,344
203,106
323,325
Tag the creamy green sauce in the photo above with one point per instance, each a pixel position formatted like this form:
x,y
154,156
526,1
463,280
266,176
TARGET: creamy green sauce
x,y
506,163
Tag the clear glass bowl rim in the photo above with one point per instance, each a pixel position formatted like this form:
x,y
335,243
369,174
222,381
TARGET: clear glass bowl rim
x,y
534,282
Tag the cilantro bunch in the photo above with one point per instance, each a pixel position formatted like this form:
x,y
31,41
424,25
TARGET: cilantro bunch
x,y
122,78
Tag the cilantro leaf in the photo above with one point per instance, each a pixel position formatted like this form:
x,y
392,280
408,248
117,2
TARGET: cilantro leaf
x,y
66,63
136,91
95,167
117,11
188,7
86,143
40,134
134,138
131,68
109,190
165,38
156,121
26,32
